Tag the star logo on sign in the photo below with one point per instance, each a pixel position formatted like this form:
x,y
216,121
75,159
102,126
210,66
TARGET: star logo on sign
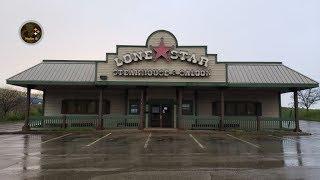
x,y
162,51
36,31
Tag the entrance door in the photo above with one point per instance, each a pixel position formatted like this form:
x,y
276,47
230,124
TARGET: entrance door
x,y
161,115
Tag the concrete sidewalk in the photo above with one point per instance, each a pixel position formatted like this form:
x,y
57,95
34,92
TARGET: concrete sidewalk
x,y
11,126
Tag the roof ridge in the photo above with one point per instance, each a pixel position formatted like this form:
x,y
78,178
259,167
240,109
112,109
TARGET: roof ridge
x,y
65,60
251,62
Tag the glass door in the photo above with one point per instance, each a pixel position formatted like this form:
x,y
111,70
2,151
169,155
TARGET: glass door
x,y
161,115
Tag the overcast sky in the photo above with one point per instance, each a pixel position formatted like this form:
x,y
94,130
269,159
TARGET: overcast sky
x,y
237,30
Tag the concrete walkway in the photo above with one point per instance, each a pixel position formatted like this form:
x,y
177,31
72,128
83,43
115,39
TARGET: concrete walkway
x,y
11,127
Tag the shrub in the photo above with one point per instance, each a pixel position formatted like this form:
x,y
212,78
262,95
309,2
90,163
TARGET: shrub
x,y
36,110
14,117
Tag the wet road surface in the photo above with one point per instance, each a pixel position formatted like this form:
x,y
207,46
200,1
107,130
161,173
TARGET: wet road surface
x,y
161,155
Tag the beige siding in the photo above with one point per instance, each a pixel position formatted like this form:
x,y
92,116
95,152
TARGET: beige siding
x,y
153,93
134,93
55,96
161,93
268,99
205,99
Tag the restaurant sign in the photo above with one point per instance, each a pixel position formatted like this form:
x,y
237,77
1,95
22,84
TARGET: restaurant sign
x,y
161,72
162,51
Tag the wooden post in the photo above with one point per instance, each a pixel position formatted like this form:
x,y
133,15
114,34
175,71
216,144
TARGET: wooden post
x,y
142,107
196,102
64,119
280,111
177,108
26,126
100,120
258,123
43,101
296,117
222,110
126,102
180,94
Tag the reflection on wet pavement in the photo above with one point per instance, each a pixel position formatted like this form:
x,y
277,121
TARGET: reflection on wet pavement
x,y
174,155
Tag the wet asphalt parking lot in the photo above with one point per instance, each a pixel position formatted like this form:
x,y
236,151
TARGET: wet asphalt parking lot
x,y
161,155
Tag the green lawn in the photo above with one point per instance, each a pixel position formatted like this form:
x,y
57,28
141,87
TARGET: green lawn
x,y
312,114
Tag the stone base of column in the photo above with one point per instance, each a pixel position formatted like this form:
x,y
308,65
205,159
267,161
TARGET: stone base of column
x,y
100,126
26,128
297,130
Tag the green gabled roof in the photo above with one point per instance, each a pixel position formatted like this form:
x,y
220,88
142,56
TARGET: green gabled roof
x,y
57,72
265,75
239,74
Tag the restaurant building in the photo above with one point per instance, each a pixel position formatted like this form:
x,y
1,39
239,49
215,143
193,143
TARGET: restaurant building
x,y
161,84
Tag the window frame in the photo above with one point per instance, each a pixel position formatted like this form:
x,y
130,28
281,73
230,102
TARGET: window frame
x,y
216,110
132,102
187,101
105,106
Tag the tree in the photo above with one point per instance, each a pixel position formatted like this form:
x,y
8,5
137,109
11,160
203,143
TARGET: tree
x,y
308,97
10,100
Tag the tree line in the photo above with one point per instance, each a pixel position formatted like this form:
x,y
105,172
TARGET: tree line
x,y
13,104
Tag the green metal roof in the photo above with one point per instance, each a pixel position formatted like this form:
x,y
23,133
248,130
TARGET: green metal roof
x,y
57,72
247,74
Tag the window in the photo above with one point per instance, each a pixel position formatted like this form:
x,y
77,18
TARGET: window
x,y
134,106
187,107
105,107
216,108
155,109
84,107
251,109
241,108
92,106
237,108
230,109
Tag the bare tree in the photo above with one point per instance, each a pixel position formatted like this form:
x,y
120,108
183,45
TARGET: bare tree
x,y
10,100
308,97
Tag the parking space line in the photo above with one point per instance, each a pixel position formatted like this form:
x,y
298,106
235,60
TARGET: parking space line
x,y
98,140
55,138
257,146
195,140
283,138
147,141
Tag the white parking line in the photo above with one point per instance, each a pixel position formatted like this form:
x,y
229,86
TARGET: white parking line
x,y
257,146
200,145
55,138
283,138
147,141
98,140
286,138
